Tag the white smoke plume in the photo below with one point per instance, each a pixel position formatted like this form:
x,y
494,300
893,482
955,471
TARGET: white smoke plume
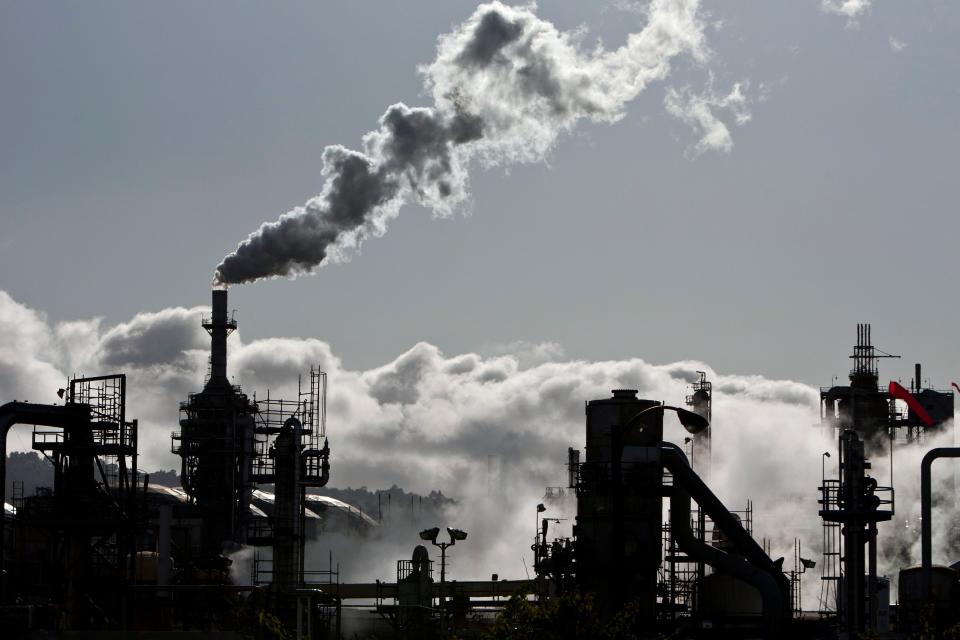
x,y
851,9
505,84
488,430
699,110
897,45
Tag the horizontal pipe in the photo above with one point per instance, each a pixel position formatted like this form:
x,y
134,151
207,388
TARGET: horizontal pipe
x,y
469,588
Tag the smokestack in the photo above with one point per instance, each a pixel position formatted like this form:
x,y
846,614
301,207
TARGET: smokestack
x,y
219,326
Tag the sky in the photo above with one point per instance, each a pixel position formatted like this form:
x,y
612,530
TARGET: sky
x,y
790,176
142,142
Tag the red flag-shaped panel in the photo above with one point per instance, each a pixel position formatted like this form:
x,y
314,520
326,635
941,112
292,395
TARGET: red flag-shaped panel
x,y
900,393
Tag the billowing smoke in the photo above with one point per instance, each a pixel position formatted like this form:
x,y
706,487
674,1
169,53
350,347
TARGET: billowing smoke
x,y
489,430
505,84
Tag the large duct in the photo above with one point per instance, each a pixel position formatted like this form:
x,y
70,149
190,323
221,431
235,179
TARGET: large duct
x,y
754,568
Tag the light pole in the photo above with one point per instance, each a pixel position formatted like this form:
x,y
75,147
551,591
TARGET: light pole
x,y
431,535
823,468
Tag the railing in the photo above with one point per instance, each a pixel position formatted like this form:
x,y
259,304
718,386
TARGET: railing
x,y
405,568
597,477
833,504
47,438
557,493
263,467
313,461
259,531
207,320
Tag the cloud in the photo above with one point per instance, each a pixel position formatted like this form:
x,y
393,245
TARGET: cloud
x,y
505,84
526,353
897,45
152,339
851,9
32,357
699,110
491,429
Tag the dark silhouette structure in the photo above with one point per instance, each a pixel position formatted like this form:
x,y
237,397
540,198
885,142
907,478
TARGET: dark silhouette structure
x,y
867,408
620,490
102,549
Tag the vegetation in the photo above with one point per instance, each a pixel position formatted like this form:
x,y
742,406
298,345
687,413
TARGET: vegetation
x,y
572,616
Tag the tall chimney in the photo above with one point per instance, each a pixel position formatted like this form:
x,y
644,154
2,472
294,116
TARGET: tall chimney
x,y
219,327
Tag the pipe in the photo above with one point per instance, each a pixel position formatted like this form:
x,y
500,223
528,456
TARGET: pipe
x,y
286,507
763,577
325,465
926,527
678,465
163,545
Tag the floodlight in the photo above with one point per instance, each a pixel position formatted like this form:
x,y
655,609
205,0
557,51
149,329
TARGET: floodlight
x,y
430,534
693,422
456,534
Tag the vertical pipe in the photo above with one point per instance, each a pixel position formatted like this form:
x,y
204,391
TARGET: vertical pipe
x,y
4,427
286,510
163,545
872,603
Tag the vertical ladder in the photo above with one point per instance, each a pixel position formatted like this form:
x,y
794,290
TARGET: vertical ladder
x,y
832,568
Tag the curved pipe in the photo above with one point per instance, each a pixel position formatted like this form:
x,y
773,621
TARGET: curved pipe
x,y
926,525
325,465
14,413
763,577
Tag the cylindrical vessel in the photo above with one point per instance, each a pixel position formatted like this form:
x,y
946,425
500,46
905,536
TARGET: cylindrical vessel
x,y
619,504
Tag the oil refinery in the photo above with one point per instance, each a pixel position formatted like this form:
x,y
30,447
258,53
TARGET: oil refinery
x,y
104,552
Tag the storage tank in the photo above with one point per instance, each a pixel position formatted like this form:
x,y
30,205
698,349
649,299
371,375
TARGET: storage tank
x,y
911,614
619,504
724,598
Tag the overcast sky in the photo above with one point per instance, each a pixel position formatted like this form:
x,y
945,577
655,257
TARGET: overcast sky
x,y
140,142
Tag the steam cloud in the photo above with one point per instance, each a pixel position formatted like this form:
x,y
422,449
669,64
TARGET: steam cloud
x,y
505,84
489,430
852,9
699,111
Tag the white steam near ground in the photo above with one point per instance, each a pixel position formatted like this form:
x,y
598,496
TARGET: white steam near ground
x,y
490,430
